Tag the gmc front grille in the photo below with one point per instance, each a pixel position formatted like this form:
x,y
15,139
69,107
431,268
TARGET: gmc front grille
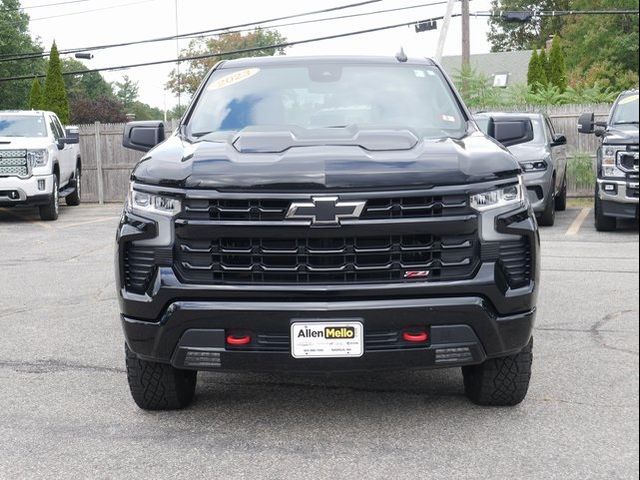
x,y
13,163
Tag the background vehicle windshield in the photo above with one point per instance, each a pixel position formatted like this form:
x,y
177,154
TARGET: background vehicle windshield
x,y
22,126
626,110
318,96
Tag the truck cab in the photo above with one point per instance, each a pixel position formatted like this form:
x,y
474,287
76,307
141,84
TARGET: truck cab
x,y
616,194
39,162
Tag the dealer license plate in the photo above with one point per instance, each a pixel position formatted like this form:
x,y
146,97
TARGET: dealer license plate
x,y
327,340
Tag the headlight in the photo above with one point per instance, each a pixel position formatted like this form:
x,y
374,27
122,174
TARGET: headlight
x,y
503,197
534,166
609,163
144,202
37,158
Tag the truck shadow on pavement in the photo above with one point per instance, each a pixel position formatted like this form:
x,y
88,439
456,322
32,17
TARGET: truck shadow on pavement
x,y
344,393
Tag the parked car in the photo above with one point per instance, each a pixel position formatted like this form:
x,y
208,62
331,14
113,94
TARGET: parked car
x,y
39,162
332,214
543,161
617,161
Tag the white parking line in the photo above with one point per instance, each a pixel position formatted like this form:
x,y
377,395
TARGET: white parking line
x,y
578,222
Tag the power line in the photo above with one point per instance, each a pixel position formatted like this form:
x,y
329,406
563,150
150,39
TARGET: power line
x,y
218,54
112,7
191,34
291,44
43,6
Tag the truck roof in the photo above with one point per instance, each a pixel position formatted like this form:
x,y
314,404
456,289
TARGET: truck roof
x,y
531,115
34,113
340,59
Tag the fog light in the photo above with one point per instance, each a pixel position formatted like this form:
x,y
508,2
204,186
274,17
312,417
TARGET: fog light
x,y
611,188
41,185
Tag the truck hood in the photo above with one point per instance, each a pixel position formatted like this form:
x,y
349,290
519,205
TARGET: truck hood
x,y
19,143
529,153
621,135
380,161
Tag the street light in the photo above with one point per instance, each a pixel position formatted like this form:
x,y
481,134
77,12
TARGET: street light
x,y
84,56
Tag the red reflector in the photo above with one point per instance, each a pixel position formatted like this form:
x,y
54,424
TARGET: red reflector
x,y
415,337
238,340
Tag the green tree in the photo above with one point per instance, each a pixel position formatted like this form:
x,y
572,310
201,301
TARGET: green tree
x,y
543,61
508,36
127,91
142,111
35,97
537,74
91,86
15,39
55,93
192,72
602,48
557,71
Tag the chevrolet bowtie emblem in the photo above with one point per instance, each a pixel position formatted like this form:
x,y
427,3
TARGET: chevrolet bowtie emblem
x,y
325,210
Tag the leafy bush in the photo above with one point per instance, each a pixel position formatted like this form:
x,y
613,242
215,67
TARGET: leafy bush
x,y
580,171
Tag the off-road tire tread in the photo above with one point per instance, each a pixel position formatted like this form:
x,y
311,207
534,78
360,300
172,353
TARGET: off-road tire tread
x,y
500,382
48,212
158,386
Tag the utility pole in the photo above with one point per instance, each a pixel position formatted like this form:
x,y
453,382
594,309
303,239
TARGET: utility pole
x,y
445,30
466,35
178,56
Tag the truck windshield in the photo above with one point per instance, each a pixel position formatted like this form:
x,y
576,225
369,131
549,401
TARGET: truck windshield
x,y
22,126
626,111
329,96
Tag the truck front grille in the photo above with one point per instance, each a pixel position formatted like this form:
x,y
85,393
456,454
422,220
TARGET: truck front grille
x,y
362,259
260,210
13,163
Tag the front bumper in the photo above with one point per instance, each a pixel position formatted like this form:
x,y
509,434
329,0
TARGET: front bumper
x,y
463,331
619,198
33,191
539,187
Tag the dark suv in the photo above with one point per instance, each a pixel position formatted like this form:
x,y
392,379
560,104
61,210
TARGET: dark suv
x,y
618,177
327,215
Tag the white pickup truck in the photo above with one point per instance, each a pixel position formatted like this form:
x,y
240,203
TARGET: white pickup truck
x,y
39,162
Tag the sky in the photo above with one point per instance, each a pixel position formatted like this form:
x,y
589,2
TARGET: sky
x,y
132,20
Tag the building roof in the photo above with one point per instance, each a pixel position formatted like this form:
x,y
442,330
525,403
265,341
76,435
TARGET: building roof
x,y
515,64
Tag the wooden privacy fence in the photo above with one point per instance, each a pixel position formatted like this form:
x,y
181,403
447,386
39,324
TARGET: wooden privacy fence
x,y
107,164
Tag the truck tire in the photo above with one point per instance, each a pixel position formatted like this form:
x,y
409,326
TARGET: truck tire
x,y
74,198
50,211
561,199
548,217
500,382
158,386
603,223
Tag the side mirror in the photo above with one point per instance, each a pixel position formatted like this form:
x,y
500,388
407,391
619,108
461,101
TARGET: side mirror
x,y
143,136
559,141
72,136
587,123
510,131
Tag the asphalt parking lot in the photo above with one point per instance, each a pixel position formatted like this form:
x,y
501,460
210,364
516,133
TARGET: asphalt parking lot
x,y
65,410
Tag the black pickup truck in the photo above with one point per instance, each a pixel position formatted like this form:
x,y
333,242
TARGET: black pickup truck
x,y
617,191
327,215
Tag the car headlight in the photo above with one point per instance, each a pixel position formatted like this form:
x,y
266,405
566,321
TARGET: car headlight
x,y
609,163
143,202
502,197
534,166
38,158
